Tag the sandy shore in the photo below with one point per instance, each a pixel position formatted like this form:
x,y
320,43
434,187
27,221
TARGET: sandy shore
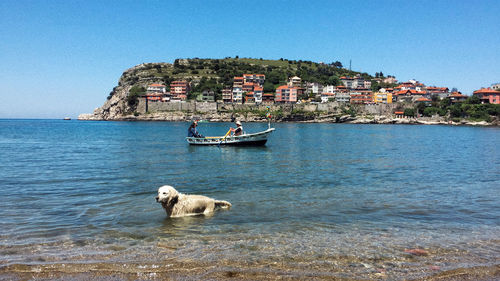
x,y
170,269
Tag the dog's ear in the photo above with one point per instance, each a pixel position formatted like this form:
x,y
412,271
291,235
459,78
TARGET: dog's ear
x,y
173,200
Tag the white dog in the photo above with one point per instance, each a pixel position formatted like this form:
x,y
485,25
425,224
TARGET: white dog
x,y
178,205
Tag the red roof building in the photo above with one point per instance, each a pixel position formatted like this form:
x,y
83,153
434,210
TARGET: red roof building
x,y
326,97
488,95
286,94
154,97
457,97
437,90
179,90
361,96
268,98
254,78
422,99
248,87
249,97
156,88
238,82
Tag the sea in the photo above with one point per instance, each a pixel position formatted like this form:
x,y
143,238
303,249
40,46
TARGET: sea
x,y
317,201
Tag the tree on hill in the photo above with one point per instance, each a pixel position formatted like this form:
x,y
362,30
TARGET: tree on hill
x,y
410,112
473,100
337,64
269,87
334,80
133,95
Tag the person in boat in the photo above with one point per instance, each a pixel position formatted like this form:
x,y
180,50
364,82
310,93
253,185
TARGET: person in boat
x,y
238,131
192,132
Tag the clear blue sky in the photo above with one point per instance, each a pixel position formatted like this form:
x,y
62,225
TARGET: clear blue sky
x,y
62,58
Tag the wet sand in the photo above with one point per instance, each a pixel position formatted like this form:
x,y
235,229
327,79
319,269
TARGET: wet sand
x,y
172,269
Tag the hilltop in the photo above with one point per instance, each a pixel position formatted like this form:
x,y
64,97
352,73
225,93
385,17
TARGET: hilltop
x,y
219,73
213,74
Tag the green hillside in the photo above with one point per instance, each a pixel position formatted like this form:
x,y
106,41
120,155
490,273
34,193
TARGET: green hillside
x,y
216,74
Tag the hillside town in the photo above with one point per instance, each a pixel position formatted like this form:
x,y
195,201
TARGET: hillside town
x,y
248,89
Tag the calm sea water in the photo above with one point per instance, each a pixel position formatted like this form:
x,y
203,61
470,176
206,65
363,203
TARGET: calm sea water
x,y
353,196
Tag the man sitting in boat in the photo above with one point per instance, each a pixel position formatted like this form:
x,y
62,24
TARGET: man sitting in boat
x,y
239,129
192,131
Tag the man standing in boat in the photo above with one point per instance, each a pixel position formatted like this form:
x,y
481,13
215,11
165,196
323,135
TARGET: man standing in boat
x,y
192,132
239,129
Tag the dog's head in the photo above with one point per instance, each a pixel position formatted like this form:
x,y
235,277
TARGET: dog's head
x,y
167,194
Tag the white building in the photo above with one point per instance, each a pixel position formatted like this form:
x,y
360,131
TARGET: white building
x,y
294,81
329,89
314,88
237,95
347,81
343,96
326,97
156,88
496,86
257,93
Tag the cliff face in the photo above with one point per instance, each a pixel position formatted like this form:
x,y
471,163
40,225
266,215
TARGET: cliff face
x,y
116,106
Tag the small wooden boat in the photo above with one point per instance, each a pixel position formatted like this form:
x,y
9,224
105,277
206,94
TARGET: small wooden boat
x,y
254,139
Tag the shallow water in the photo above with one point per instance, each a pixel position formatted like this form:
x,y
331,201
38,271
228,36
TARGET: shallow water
x,y
318,196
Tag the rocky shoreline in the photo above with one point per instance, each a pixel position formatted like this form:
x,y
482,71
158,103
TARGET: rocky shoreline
x,y
322,118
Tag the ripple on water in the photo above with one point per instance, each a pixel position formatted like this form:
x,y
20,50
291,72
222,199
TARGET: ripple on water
x,y
322,199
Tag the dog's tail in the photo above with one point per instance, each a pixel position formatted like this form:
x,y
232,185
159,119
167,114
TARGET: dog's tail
x,y
222,204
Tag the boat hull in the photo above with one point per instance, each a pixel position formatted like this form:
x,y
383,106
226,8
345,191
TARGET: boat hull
x,y
256,139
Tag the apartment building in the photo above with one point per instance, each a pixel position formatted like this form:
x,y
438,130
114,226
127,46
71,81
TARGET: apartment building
x,y
179,90
227,95
238,89
254,78
314,88
342,94
361,96
382,97
286,94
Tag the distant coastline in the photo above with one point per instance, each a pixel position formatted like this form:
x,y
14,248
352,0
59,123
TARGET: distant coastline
x,y
247,89
302,113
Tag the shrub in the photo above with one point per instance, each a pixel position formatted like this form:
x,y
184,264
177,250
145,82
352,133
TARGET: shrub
x,y
350,110
410,112
455,111
133,95
430,111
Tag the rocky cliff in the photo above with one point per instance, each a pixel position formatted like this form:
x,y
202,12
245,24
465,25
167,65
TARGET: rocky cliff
x,y
116,107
